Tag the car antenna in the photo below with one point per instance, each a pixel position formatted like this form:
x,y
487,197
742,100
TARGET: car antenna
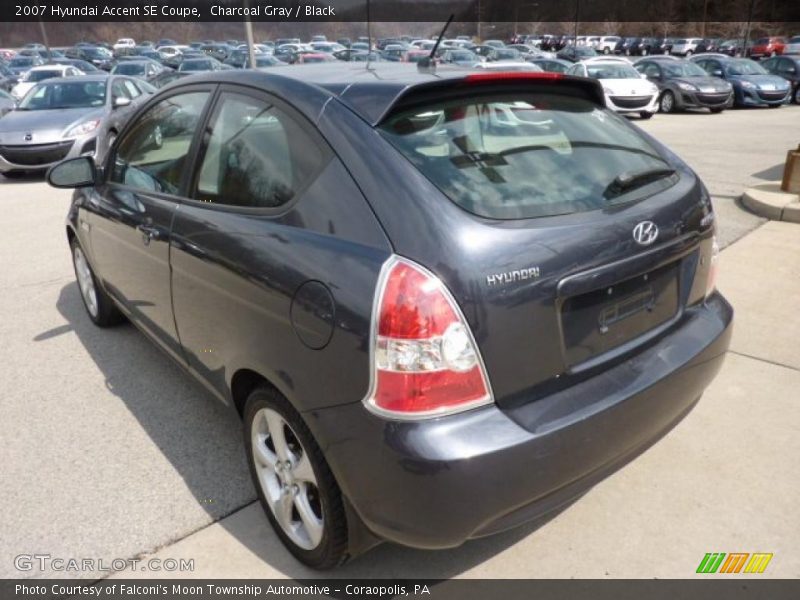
x,y
429,62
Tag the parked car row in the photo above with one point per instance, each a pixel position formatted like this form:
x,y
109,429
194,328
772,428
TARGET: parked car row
x,y
69,88
712,81
645,46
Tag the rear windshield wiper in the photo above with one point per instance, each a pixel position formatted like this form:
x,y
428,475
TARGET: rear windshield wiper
x,y
630,180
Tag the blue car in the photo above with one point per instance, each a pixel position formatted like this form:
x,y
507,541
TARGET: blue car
x,y
752,84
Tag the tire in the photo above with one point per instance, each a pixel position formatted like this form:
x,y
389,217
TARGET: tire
x,y
797,95
667,102
646,115
716,111
98,304
606,50
688,53
309,516
774,105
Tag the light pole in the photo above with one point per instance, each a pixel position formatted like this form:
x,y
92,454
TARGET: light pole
x,y
44,38
248,30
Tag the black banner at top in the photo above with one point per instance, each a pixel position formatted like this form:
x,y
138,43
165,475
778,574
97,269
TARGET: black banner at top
x,y
586,11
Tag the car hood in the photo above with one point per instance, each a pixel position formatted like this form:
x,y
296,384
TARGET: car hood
x,y
45,126
765,81
705,84
628,87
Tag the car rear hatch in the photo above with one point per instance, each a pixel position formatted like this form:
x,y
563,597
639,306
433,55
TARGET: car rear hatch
x,y
568,238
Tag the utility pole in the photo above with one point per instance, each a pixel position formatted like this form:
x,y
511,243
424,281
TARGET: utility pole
x,y
705,16
44,39
577,18
480,36
248,30
747,30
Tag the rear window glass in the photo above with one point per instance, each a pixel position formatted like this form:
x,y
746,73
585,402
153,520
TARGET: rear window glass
x,y
527,155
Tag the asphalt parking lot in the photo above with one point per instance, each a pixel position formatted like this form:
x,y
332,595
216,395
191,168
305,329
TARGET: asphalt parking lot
x,y
111,451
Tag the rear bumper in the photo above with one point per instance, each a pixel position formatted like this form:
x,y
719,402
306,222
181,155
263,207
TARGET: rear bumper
x,y
438,483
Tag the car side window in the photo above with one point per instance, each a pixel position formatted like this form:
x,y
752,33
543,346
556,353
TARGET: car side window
x,y
132,90
257,155
769,64
118,90
652,70
152,155
786,66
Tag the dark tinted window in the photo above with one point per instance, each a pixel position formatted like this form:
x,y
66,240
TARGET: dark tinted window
x,y
257,156
522,155
152,155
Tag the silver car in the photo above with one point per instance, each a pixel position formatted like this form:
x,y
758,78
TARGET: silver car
x,y
67,117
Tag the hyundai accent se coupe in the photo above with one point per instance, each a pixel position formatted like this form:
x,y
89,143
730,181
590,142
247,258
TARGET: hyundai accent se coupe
x,y
443,303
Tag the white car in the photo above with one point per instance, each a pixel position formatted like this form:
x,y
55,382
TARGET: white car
x,y
606,44
37,74
423,44
792,45
124,43
625,88
686,46
259,48
169,51
508,65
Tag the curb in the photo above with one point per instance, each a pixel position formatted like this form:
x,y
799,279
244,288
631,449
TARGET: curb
x,y
767,200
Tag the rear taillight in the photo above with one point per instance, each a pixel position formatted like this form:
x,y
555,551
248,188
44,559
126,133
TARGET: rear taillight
x,y
424,359
711,281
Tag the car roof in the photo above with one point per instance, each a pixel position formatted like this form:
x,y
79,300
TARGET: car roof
x,y
370,93
714,55
667,57
50,67
605,59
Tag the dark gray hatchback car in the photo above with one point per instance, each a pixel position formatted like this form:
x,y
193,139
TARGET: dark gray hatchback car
x,y
443,303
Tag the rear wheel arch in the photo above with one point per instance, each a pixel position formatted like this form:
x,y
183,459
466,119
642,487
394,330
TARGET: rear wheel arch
x,y
242,384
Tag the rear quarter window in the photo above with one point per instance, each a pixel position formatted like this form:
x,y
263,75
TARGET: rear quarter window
x,y
523,155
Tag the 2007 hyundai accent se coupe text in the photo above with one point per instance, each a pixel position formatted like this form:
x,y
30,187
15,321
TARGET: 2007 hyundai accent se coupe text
x,y
444,303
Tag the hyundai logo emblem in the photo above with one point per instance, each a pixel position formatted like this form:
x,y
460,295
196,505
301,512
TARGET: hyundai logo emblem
x,y
645,233
28,137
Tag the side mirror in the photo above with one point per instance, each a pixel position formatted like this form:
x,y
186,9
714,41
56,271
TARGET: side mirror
x,y
121,101
717,73
73,173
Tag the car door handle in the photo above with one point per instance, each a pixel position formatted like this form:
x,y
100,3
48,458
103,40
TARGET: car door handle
x,y
149,232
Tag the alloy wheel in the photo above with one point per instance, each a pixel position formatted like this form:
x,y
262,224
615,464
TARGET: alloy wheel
x,y
667,103
85,281
287,479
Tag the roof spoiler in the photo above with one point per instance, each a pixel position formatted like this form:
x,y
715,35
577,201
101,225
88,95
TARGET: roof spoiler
x,y
591,89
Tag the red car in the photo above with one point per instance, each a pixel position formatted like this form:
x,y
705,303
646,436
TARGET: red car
x,y
768,46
